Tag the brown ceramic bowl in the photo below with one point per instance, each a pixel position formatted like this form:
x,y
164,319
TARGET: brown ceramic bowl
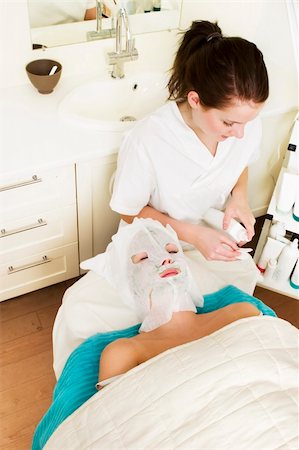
x,y
38,73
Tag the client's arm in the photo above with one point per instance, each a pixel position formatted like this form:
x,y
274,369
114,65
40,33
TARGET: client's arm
x,y
117,358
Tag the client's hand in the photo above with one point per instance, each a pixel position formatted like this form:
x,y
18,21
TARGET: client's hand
x,y
213,244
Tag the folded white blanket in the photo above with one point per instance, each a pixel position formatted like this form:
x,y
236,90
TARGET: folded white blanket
x,y
235,389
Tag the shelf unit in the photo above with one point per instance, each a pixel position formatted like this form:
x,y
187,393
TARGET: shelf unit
x,y
283,288
290,224
292,227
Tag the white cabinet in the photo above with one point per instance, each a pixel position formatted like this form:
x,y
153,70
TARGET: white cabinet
x,y
38,230
52,219
96,222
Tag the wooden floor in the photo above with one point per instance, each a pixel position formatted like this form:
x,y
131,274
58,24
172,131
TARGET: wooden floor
x,y
27,378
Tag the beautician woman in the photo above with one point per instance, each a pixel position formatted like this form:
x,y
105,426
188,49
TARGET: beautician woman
x,y
193,152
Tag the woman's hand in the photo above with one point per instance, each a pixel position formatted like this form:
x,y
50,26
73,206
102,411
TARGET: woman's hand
x,y
239,210
237,207
213,244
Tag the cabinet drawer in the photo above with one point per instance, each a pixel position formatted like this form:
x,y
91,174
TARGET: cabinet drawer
x,y
37,233
35,272
30,193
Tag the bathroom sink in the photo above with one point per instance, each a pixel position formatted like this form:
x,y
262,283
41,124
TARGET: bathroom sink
x,y
115,104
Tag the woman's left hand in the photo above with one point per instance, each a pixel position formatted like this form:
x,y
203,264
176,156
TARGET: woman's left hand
x,y
236,209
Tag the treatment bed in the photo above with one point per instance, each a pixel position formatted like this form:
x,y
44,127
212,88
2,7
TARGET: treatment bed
x,y
234,389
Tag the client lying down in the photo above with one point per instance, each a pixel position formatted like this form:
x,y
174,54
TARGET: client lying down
x,y
145,262
146,265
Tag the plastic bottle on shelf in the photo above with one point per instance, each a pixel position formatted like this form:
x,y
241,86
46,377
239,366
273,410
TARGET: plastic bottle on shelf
x,y
270,269
147,6
286,261
139,7
294,280
157,5
287,192
236,231
131,7
271,250
277,230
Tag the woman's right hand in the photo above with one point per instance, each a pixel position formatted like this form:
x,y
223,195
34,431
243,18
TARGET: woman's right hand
x,y
213,244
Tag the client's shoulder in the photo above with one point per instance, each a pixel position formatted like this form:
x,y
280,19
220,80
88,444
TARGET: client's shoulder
x,y
118,357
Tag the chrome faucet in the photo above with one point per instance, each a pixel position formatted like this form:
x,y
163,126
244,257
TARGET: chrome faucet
x,y
101,33
99,16
124,51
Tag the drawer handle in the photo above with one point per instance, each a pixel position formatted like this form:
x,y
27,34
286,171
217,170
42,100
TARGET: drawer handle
x,y
40,223
33,180
44,260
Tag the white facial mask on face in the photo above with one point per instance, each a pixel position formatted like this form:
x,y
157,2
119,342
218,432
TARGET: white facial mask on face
x,y
146,264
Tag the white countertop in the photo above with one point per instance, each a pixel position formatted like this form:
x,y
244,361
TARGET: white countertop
x,y
33,135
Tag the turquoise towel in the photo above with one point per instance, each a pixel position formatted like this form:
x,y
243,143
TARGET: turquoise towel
x,y
80,374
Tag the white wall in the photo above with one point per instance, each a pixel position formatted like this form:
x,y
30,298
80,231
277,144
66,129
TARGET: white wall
x,y
266,23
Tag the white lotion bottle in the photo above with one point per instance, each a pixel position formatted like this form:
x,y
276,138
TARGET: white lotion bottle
x,y
286,261
147,6
277,230
271,250
270,269
157,5
236,231
130,6
287,192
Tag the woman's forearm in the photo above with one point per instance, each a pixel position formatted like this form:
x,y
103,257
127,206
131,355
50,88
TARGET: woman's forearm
x,y
240,189
182,229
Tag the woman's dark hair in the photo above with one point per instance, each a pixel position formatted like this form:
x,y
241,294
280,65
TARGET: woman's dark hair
x,y
217,68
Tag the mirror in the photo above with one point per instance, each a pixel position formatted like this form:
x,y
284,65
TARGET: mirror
x,y
56,22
